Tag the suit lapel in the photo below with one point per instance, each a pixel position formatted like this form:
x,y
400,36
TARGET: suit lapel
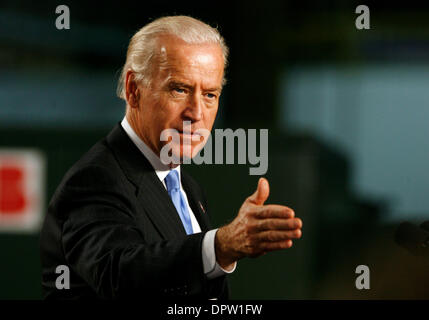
x,y
156,202
195,202
150,192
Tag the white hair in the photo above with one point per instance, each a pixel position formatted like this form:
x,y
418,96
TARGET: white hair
x,y
143,45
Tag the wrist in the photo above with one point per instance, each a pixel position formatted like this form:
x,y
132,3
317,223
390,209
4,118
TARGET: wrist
x,y
224,257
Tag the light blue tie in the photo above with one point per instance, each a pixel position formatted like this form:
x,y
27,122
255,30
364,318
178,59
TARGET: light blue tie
x,y
173,188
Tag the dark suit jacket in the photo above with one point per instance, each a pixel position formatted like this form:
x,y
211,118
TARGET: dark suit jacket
x,y
112,222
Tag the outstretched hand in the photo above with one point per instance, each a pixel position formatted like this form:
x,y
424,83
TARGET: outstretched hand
x,y
257,229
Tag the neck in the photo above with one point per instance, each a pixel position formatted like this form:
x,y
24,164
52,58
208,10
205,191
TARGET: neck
x,y
132,119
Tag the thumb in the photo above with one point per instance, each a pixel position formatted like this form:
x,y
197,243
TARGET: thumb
x,y
262,192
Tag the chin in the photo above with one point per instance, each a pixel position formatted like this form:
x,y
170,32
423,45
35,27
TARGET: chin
x,y
181,147
189,151
186,152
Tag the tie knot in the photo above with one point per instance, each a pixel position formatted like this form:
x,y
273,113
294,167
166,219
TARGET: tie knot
x,y
172,181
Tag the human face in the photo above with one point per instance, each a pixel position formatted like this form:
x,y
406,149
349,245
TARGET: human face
x,y
186,86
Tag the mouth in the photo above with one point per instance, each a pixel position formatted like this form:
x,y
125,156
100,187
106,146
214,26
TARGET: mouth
x,y
189,133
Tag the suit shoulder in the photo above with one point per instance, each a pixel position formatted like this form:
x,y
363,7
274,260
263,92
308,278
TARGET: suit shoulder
x,y
100,156
95,177
98,167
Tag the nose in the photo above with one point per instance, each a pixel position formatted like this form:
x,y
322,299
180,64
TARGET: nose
x,y
194,111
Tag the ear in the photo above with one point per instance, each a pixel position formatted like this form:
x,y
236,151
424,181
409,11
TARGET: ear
x,y
132,93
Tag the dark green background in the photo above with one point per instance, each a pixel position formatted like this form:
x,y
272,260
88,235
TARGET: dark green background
x,y
267,38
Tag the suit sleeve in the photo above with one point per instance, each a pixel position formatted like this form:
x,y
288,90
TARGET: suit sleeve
x,y
102,244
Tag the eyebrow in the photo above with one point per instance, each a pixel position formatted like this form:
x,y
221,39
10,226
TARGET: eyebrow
x,y
177,83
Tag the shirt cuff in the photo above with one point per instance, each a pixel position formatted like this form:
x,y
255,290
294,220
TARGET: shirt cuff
x,y
211,268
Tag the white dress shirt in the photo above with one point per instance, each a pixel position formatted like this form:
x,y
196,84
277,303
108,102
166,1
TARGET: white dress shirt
x,y
211,268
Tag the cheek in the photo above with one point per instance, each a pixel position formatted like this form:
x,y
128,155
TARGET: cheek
x,y
210,117
169,113
152,122
149,119
156,113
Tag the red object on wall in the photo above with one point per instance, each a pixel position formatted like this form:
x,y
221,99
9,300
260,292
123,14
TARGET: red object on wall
x,y
12,194
21,190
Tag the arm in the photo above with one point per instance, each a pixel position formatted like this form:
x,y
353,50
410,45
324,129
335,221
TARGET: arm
x,y
102,243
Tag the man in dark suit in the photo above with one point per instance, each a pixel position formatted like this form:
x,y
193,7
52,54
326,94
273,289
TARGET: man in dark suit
x,y
128,224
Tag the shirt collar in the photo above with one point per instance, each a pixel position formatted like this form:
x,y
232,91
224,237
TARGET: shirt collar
x,y
161,169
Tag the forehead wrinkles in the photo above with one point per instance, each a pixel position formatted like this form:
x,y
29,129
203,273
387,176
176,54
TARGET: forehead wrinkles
x,y
176,63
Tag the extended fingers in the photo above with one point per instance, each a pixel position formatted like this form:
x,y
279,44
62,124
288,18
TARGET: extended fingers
x,y
277,224
275,235
273,211
279,245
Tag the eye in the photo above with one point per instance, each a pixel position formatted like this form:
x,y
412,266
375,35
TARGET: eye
x,y
211,96
179,90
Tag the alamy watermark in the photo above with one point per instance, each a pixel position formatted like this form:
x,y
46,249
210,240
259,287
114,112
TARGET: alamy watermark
x,y
362,21
63,280
363,280
197,147
63,20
